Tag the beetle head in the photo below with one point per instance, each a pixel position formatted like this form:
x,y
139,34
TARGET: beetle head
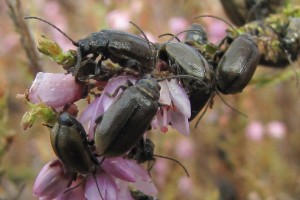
x,y
150,87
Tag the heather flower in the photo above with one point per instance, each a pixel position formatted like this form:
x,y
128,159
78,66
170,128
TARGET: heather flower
x,y
118,19
55,90
255,131
178,24
276,129
176,110
114,175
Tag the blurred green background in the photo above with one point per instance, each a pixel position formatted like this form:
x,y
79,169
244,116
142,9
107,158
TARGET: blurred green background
x,y
228,156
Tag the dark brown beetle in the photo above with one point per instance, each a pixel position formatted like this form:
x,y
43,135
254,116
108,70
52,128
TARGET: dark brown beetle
x,y
127,119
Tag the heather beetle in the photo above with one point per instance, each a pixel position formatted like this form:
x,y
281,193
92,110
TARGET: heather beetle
x,y
196,33
126,120
127,50
242,11
185,60
70,144
237,65
291,40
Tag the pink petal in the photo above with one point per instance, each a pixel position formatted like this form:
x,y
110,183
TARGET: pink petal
x,y
111,87
140,172
180,123
107,187
154,123
276,129
123,189
55,90
74,194
52,180
179,98
164,93
118,19
119,168
255,131
178,24
146,187
90,114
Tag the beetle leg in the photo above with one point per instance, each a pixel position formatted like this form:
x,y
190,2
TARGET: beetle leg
x,y
123,87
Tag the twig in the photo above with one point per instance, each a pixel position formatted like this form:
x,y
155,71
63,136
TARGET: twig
x,y
16,14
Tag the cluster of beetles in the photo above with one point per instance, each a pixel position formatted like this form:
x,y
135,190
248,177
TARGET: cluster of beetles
x,y
202,68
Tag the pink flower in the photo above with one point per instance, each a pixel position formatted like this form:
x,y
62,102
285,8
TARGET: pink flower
x,y
255,131
184,148
113,176
54,90
276,129
178,24
176,109
118,19
185,186
52,180
216,30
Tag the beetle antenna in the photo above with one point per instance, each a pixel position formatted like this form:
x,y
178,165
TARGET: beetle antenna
x,y
172,159
145,36
98,187
219,18
230,106
170,34
288,57
251,11
58,29
182,76
210,103
74,187
177,34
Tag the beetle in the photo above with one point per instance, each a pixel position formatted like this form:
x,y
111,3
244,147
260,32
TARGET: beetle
x,y
126,120
291,39
237,65
242,11
125,49
196,33
70,144
185,60
143,152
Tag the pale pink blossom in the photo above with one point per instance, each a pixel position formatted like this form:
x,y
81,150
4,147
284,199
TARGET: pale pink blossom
x,y
255,131
176,109
184,148
55,90
118,19
178,24
276,129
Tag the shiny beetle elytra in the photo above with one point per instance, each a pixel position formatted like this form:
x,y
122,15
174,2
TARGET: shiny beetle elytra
x,y
70,144
127,50
126,120
185,60
237,65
